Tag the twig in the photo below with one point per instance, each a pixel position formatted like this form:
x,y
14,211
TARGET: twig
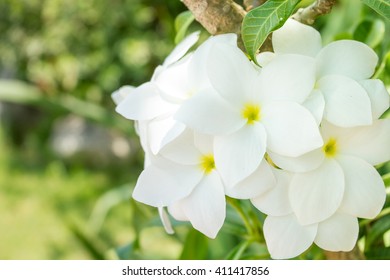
x,y
217,16
309,14
251,4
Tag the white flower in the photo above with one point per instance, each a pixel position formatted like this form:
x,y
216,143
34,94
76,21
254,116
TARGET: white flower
x,y
287,238
173,82
145,103
249,112
343,94
342,184
185,178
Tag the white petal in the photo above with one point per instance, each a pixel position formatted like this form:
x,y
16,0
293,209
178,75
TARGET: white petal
x,y
180,50
370,143
338,233
286,238
365,192
198,66
316,195
174,130
229,39
206,206
378,95
287,77
348,58
162,131
119,95
291,129
177,212
264,58
182,150
164,184
208,113
347,103
165,220
238,155
257,183
204,143
231,73
315,103
141,128
144,103
298,38
303,163
275,202
173,82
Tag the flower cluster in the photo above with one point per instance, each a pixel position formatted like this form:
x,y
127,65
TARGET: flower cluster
x,y
298,136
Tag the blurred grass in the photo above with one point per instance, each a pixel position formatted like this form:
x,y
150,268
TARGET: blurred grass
x,y
36,201
46,210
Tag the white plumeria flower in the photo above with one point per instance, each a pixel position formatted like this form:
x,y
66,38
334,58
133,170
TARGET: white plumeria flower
x,y
249,112
171,84
287,238
146,104
345,178
342,92
322,205
185,178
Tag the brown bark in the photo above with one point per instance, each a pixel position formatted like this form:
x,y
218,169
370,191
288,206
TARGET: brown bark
x,y
225,16
309,14
217,16
250,4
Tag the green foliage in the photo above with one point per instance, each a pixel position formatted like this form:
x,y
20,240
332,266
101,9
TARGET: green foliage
x,y
64,57
86,48
370,32
23,93
91,244
382,7
378,254
182,22
377,231
195,246
261,21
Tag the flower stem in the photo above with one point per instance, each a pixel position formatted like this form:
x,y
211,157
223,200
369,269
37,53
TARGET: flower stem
x,y
235,204
309,14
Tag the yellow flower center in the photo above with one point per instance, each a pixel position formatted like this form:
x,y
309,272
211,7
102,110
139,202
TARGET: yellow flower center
x,y
330,148
251,113
207,163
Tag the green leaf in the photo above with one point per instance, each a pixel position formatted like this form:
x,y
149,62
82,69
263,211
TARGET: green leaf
x,y
386,179
107,201
261,21
370,32
125,252
182,22
378,229
378,254
382,7
16,91
195,246
19,92
91,243
237,251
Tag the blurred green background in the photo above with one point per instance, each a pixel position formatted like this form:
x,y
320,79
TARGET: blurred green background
x,y
68,162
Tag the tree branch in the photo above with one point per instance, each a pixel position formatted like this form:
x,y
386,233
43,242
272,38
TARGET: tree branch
x,y
226,16
251,4
217,16
309,14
